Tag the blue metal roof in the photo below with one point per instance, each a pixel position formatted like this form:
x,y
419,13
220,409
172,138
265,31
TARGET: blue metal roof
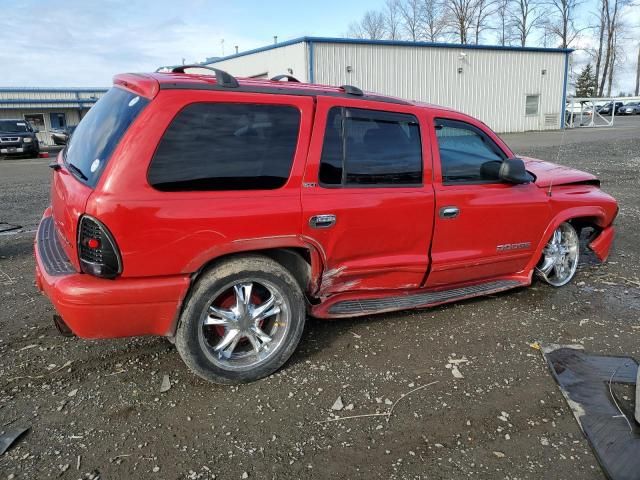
x,y
396,43
52,89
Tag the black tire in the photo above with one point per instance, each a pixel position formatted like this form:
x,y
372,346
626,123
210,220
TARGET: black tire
x,y
248,268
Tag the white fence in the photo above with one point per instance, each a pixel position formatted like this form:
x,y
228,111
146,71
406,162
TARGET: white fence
x,y
595,112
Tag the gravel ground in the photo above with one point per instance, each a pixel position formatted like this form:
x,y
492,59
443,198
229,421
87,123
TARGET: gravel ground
x,y
95,407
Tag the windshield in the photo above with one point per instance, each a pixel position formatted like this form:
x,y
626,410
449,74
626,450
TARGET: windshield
x,y
99,132
13,126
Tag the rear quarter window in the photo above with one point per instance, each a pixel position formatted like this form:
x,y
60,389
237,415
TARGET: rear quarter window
x,y
226,146
98,134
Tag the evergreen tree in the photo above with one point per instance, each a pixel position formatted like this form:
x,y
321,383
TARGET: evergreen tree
x,y
585,83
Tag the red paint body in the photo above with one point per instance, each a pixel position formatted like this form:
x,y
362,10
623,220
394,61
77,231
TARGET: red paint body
x,y
387,241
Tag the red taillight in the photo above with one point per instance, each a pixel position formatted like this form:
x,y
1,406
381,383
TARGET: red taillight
x,y
93,243
97,249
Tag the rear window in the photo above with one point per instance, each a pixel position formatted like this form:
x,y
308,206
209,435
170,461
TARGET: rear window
x,y
99,132
226,146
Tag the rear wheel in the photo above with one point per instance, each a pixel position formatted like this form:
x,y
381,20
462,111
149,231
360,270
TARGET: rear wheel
x,y
560,256
242,322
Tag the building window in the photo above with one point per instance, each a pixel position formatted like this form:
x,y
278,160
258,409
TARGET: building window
x,y
370,148
531,104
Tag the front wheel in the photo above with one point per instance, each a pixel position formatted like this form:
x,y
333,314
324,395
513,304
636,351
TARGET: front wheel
x,y
242,322
560,256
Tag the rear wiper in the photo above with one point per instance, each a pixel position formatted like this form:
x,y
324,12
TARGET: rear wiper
x,y
77,171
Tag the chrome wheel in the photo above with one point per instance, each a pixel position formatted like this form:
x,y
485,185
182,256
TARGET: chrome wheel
x,y
560,256
244,325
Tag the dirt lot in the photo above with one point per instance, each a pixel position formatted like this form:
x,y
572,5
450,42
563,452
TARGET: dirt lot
x,y
97,407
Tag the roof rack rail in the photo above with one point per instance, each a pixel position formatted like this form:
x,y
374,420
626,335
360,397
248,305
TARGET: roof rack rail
x,y
223,78
289,78
351,90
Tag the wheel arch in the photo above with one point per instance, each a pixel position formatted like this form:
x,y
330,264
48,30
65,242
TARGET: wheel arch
x,y
579,217
303,261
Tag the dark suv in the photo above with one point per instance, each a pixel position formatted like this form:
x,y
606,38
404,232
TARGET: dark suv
x,y
18,137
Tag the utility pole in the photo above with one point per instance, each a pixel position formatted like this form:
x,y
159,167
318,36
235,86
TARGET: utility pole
x,y
638,73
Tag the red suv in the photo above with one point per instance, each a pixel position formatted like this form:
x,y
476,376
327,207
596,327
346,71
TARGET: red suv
x,y
220,213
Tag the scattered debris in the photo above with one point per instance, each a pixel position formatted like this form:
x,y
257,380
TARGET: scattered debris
x,y
499,454
166,384
7,227
406,395
453,364
591,385
73,393
8,438
382,414
337,405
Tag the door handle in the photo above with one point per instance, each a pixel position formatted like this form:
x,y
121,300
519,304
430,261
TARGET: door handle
x,y
449,212
322,221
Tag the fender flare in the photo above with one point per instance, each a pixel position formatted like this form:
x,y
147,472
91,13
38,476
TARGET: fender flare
x,y
199,263
596,212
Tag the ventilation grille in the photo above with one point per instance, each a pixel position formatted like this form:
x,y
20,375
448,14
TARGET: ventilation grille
x,y
551,119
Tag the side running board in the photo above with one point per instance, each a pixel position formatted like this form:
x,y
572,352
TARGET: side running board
x,y
418,300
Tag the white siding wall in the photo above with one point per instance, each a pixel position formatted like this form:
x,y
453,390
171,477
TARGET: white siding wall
x,y
492,86
269,63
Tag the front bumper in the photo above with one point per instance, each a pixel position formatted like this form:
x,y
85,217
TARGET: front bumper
x,y
99,308
601,245
18,149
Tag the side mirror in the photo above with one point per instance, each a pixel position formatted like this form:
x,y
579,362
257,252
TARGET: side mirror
x,y
512,170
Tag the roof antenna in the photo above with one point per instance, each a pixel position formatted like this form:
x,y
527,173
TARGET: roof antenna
x,y
564,129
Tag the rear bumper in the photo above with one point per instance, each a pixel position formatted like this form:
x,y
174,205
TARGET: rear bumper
x,y
601,246
99,308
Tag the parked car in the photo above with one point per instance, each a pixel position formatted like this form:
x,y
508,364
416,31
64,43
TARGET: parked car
x,y
577,113
632,108
607,108
18,137
60,136
220,213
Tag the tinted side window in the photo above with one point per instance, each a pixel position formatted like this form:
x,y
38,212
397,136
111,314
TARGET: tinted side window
x,y
467,154
368,147
225,146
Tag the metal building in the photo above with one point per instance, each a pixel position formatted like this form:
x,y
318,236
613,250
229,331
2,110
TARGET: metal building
x,y
512,89
47,108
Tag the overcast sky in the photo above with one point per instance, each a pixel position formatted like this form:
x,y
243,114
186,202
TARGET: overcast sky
x,y
85,42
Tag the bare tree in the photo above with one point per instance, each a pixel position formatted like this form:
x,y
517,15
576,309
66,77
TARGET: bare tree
x,y
484,11
410,11
504,27
392,19
525,18
371,27
433,22
602,8
354,31
563,24
461,19
611,26
638,73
